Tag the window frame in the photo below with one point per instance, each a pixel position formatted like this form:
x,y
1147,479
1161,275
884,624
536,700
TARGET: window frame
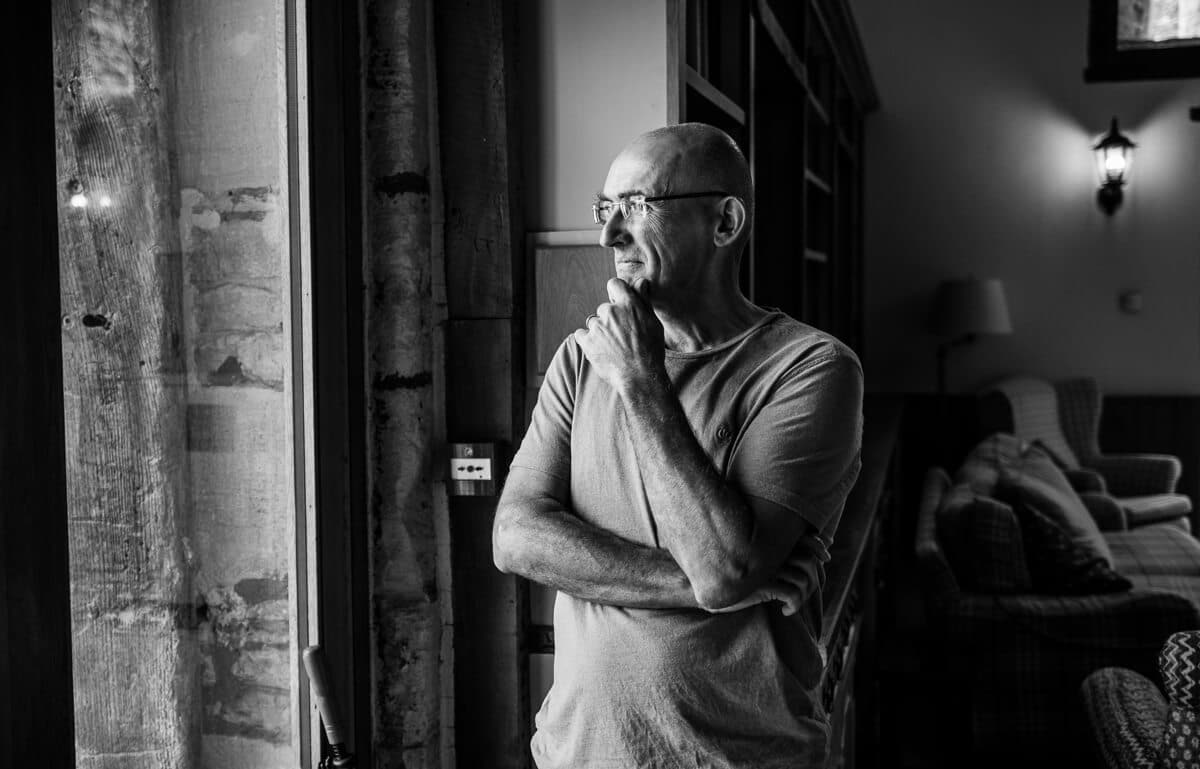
x,y
36,687
1106,63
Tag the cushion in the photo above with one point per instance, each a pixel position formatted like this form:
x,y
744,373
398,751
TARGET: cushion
x,y
1034,480
982,542
1057,564
1126,712
1177,662
1156,549
981,468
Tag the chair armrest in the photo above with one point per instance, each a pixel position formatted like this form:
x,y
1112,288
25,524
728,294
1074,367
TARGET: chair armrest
x,y
1131,475
1109,515
1083,479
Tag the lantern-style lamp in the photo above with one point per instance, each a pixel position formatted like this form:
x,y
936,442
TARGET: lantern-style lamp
x,y
1114,155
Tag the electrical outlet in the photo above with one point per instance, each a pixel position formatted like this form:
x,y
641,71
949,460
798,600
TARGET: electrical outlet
x,y
470,468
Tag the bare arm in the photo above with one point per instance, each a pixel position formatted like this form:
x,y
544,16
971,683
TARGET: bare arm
x,y
536,537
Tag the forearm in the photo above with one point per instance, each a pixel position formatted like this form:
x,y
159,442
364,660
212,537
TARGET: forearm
x,y
557,549
703,521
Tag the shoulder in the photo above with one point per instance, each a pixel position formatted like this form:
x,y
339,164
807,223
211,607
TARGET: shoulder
x,y
799,349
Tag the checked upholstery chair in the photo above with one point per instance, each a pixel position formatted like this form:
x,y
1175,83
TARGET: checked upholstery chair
x,y
1064,417
1133,725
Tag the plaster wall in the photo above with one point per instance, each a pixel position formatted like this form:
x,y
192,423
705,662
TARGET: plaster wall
x,y
593,76
979,162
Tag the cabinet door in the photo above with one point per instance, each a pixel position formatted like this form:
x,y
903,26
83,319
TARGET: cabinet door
x,y
569,273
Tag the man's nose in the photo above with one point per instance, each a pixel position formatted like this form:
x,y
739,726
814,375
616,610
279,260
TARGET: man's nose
x,y
614,232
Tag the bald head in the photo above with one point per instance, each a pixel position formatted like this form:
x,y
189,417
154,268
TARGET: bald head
x,y
697,156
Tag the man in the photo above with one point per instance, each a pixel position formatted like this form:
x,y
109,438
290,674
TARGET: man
x,y
679,486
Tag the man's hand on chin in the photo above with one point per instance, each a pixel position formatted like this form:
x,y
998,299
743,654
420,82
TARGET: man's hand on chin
x,y
623,339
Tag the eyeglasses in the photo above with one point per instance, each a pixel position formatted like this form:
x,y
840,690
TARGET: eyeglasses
x,y
602,210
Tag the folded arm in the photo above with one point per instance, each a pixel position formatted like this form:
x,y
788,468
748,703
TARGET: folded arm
x,y
728,544
537,537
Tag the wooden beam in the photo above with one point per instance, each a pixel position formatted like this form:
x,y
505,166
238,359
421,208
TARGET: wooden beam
x,y
133,621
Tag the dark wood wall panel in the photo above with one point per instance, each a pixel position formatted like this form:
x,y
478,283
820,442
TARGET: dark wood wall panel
x,y
485,386
36,715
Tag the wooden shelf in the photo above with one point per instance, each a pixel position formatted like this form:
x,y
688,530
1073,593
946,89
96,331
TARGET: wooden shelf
x,y
818,108
816,181
775,32
813,255
715,97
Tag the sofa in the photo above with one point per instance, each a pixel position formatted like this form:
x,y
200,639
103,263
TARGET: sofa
x,y
1022,624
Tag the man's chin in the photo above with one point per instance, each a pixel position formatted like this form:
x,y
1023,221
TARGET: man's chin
x,y
630,271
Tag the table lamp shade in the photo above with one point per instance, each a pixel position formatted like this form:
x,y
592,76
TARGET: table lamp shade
x,y
971,307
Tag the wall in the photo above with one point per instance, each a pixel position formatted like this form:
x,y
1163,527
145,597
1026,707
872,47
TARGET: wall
x,y
979,162
584,97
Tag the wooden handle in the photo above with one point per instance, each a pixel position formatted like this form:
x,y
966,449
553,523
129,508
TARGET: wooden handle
x,y
322,691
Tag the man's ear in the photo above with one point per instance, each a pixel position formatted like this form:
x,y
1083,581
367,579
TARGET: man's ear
x,y
732,222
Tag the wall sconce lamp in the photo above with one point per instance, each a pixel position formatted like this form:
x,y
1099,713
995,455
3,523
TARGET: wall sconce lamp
x,y
964,309
1114,156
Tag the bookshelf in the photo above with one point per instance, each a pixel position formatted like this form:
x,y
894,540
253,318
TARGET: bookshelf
x,y
789,81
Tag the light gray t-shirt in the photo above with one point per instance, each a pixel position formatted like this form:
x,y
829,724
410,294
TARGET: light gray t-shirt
x,y
778,410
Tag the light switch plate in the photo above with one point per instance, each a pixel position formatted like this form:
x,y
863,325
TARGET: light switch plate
x,y
471,469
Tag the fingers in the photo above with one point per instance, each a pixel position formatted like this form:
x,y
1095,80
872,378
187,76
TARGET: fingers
x,y
619,291
637,294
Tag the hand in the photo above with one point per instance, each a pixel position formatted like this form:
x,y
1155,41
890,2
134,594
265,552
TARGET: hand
x,y
623,340
792,586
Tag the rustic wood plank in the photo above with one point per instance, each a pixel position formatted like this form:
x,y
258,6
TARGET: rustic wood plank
x,y
36,718
123,369
480,170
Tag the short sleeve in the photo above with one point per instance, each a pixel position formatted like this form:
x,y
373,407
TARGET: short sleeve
x,y
546,446
802,450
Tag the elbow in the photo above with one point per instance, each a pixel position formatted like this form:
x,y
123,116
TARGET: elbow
x,y
720,590
505,542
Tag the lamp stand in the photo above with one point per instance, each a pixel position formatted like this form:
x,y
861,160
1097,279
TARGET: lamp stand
x,y
942,351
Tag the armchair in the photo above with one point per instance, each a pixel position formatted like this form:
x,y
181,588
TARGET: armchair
x,y
1064,417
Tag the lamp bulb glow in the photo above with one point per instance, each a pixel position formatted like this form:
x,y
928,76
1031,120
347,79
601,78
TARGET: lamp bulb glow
x,y
79,200
1114,162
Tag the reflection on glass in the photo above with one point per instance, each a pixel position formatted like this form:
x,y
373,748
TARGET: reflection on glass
x,y
1157,23
177,369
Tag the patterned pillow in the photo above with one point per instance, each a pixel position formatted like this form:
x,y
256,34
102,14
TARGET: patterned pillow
x,y
1057,564
1035,480
1178,665
982,540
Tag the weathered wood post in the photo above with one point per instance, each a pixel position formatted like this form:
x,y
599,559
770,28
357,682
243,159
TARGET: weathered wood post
x,y
134,653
